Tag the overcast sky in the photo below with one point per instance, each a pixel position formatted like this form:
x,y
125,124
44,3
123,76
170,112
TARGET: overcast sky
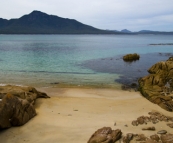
x,y
133,15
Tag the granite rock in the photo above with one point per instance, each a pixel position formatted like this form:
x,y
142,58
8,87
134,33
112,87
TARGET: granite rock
x,y
157,86
16,105
105,135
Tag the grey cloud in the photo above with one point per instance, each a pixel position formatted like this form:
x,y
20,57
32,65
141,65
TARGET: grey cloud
x,y
104,14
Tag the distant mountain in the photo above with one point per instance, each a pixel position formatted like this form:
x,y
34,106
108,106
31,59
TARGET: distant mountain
x,y
153,32
145,31
114,31
41,23
125,31
128,32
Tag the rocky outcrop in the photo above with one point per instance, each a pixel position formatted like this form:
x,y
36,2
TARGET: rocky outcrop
x,y
157,86
131,57
155,117
105,135
16,105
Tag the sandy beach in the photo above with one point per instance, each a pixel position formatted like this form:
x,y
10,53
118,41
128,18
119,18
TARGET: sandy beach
x,y
73,115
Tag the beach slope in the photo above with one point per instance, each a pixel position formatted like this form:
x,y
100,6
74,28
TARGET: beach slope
x,y
73,115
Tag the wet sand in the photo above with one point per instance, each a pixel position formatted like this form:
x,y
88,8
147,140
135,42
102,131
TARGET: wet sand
x,y
72,115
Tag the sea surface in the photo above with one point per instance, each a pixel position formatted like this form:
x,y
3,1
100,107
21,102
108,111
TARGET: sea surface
x,y
78,60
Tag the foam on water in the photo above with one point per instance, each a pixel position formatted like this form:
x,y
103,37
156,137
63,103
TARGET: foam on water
x,y
2,84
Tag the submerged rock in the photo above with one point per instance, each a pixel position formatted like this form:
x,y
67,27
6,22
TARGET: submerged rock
x,y
16,106
158,84
105,135
131,57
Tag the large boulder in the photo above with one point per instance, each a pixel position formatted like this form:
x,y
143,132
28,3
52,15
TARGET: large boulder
x,y
16,105
131,57
15,111
153,86
105,135
23,92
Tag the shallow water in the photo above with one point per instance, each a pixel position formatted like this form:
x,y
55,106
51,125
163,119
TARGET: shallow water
x,y
83,60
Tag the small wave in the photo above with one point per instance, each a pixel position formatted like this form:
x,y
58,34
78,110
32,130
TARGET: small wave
x,y
50,72
2,84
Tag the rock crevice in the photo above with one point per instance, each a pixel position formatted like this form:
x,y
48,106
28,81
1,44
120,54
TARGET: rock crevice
x,y
157,86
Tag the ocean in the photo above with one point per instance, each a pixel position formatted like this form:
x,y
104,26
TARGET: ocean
x,y
78,60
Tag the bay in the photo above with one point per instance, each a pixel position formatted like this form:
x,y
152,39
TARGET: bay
x,y
82,60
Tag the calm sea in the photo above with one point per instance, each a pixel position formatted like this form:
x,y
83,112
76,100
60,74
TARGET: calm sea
x,y
82,60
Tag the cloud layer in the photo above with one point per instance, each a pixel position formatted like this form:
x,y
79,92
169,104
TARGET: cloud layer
x,y
104,14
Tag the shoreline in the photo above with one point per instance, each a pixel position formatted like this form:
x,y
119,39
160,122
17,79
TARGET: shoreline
x,y
116,86
110,72
74,114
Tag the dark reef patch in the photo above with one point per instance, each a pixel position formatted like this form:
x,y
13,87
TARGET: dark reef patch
x,y
162,44
129,72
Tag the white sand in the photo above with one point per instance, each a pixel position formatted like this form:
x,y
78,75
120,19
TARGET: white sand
x,y
73,115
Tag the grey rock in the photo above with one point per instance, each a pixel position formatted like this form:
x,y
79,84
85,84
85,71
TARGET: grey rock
x,y
162,132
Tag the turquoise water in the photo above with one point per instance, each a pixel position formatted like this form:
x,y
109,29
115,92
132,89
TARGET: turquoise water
x,y
42,60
